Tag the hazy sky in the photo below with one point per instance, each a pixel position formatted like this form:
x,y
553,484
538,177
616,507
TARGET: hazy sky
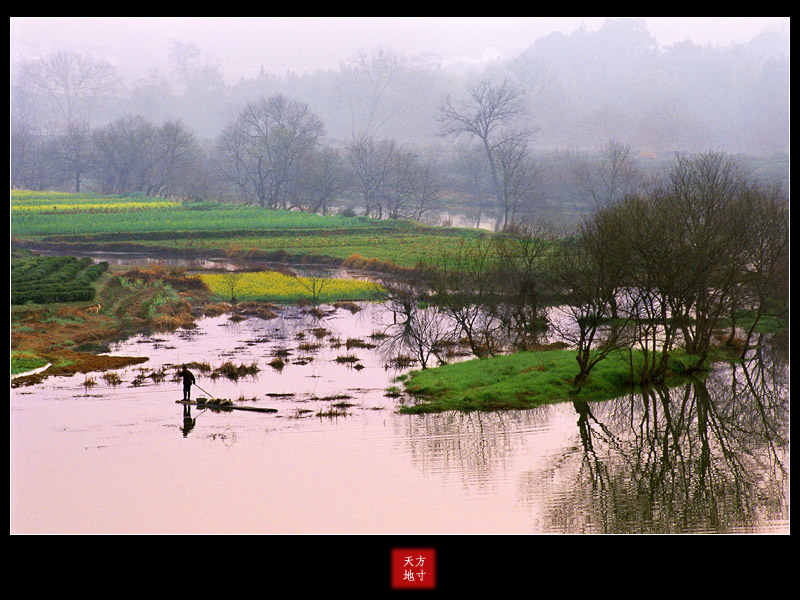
x,y
240,45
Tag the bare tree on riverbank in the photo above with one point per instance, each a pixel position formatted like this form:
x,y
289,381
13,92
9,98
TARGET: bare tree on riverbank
x,y
493,113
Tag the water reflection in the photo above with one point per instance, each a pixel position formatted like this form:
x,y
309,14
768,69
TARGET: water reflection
x,y
188,420
708,456
477,447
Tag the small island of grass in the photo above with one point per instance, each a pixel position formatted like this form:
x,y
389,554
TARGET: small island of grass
x,y
525,380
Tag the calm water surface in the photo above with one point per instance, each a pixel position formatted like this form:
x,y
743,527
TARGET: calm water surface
x,y
709,456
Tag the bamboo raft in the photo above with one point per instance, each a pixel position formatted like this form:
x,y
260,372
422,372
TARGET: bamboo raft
x,y
217,406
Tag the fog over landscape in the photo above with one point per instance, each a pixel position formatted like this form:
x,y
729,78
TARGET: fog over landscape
x,y
724,78
240,46
413,275
652,85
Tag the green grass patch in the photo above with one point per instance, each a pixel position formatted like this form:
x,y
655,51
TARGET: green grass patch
x,y
774,320
22,362
525,380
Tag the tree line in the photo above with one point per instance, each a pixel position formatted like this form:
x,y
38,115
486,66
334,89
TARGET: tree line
x,y
701,253
280,145
274,153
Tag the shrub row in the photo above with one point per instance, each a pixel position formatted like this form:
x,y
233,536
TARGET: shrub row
x,y
54,279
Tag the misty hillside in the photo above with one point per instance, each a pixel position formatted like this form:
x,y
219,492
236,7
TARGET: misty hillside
x,y
583,88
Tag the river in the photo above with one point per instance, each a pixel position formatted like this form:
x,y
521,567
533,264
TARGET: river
x,y
115,457
97,455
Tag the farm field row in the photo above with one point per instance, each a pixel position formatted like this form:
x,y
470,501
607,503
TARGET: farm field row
x,y
45,216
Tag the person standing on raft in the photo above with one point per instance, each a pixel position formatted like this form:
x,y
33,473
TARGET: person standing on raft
x,y
188,380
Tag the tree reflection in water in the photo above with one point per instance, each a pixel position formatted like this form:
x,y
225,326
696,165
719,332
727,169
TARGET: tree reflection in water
x,y
708,456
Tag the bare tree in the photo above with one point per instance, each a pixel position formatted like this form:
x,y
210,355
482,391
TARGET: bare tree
x,y
486,114
265,144
580,266
378,88
420,329
641,233
32,163
463,285
69,82
371,161
133,155
184,58
412,186
519,175
766,266
613,175
74,152
523,253
314,281
688,253
122,154
230,281
319,180
701,192
178,152
472,175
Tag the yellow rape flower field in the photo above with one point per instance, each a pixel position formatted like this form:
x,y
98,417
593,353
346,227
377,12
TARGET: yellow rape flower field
x,y
276,287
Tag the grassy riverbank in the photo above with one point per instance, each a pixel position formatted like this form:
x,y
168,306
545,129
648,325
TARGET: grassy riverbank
x,y
74,336
523,380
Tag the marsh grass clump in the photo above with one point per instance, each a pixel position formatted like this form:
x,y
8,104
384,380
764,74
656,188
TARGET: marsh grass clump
x,y
277,363
351,306
332,412
347,359
332,397
342,405
357,343
233,372
242,398
402,361
203,367
161,375
112,378
308,347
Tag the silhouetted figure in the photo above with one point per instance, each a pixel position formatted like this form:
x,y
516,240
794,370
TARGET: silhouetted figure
x,y
188,380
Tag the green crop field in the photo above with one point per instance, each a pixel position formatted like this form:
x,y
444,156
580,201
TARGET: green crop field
x,y
44,279
208,226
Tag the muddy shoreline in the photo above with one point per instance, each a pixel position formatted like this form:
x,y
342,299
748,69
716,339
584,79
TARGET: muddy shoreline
x,y
73,339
